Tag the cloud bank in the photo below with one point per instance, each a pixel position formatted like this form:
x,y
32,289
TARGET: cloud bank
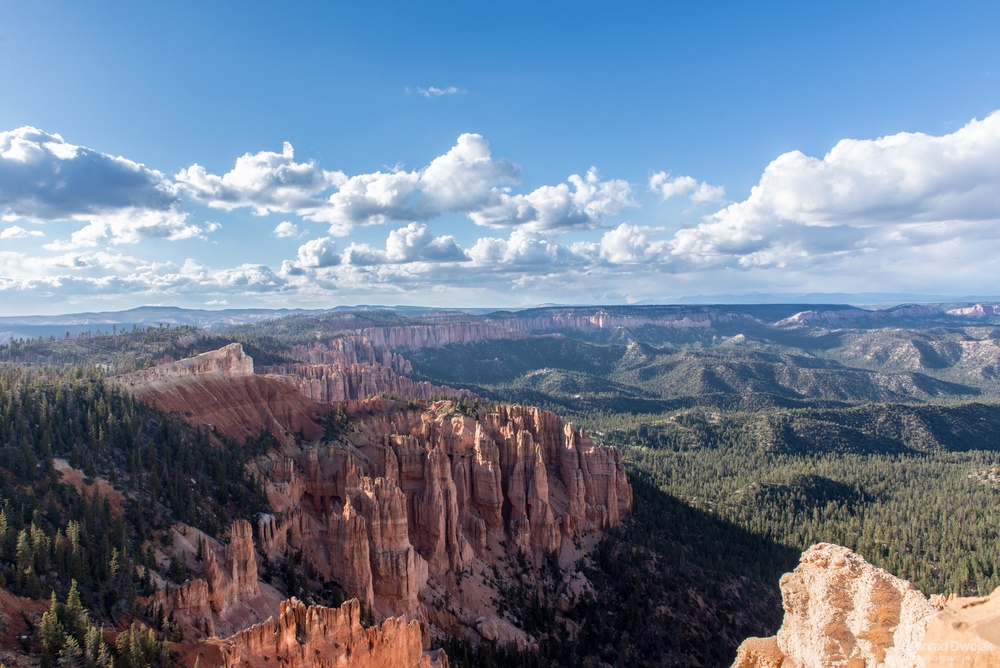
x,y
908,211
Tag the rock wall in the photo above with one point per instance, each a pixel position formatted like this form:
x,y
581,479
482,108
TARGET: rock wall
x,y
229,362
440,335
318,637
219,390
840,611
339,382
347,350
413,495
199,604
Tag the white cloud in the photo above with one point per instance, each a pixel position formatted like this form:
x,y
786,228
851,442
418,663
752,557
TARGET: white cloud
x,y
698,192
318,253
17,232
630,244
522,250
266,181
255,277
413,243
434,91
559,207
45,178
287,230
462,180
130,226
887,195
465,180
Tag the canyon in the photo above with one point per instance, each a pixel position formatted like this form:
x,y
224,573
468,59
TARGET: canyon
x,y
418,509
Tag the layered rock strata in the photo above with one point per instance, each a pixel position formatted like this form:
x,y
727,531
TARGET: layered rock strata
x,y
199,604
440,335
412,495
318,637
219,390
347,350
339,382
840,611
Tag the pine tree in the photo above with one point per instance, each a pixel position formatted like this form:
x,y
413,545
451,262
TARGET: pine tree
x,y
51,634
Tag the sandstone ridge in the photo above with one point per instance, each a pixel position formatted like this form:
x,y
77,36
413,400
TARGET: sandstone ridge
x,y
220,391
842,612
410,498
317,637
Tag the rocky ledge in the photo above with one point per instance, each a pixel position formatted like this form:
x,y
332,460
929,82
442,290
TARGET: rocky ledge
x,y
843,612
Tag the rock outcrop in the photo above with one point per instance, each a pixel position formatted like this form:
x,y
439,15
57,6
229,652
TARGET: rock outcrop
x,y
414,504
520,327
220,391
201,604
347,350
411,497
976,311
840,611
318,637
339,382
228,362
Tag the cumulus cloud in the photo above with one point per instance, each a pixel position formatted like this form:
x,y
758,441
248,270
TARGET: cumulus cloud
x,y
434,91
130,226
698,192
318,253
43,178
899,191
265,181
521,250
17,232
287,230
413,243
463,179
631,244
581,204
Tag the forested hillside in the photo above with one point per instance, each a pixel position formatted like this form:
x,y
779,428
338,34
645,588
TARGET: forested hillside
x,y
746,441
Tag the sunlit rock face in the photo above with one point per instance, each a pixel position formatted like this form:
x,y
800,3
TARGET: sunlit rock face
x,y
414,508
840,611
317,637
219,390
410,497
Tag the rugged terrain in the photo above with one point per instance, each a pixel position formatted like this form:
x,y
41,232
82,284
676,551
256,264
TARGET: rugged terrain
x,y
840,611
413,508
386,470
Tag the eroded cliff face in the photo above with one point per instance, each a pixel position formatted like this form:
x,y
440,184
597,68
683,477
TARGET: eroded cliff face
x,y
339,382
840,611
228,596
414,508
219,390
443,334
317,637
410,498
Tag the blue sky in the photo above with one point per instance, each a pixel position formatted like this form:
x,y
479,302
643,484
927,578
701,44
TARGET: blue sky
x,y
238,154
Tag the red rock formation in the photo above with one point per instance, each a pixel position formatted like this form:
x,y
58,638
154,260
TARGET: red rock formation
x,y
200,604
218,390
347,350
514,328
977,311
424,493
318,637
840,611
337,382
406,503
